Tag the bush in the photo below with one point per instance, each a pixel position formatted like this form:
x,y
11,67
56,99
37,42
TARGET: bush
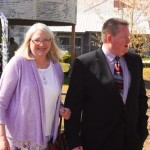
x,y
65,67
66,58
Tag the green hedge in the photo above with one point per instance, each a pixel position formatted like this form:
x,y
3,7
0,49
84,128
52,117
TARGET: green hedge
x,y
66,58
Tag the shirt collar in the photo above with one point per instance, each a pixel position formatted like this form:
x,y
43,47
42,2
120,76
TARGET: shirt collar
x,y
110,56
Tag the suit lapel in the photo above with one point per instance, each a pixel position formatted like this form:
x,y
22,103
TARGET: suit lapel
x,y
103,72
104,69
130,65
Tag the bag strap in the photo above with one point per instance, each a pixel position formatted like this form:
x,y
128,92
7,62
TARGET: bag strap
x,y
60,123
59,128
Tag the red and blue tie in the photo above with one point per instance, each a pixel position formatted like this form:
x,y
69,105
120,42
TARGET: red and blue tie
x,y
118,75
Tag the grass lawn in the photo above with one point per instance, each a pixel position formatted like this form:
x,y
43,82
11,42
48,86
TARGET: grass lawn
x,y
146,58
146,75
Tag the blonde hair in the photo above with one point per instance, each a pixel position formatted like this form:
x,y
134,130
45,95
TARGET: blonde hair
x,y
54,53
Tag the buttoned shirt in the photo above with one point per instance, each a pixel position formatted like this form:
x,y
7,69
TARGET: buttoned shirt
x,y
126,74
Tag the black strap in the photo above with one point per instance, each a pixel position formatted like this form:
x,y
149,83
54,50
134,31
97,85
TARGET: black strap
x,y
59,128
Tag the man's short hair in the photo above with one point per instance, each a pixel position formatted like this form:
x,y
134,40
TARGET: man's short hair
x,y
111,26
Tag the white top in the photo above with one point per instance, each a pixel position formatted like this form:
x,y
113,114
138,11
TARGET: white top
x,y
51,92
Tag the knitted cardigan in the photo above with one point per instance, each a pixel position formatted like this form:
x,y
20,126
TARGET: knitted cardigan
x,y
22,107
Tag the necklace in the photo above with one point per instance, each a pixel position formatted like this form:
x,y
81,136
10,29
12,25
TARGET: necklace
x,y
44,80
43,73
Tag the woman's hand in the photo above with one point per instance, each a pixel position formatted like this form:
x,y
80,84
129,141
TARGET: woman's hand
x,y
65,112
4,145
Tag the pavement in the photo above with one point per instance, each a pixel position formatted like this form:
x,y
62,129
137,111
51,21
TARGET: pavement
x,y
146,63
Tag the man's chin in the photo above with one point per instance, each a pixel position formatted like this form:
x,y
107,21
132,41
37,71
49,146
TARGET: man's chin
x,y
126,50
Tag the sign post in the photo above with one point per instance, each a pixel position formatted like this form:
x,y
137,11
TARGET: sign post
x,y
4,39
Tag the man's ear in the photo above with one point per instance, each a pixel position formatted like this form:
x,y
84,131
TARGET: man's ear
x,y
109,38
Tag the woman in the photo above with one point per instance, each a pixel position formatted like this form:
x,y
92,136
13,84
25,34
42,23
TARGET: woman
x,y
30,93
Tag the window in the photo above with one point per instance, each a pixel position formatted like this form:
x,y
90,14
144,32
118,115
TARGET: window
x,y
64,41
78,42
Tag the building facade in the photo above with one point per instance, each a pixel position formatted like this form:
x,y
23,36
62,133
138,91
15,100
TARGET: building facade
x,y
92,14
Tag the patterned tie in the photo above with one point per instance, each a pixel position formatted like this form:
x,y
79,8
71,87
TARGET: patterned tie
x,y
118,75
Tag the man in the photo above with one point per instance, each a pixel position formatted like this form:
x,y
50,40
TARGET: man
x,y
13,46
107,115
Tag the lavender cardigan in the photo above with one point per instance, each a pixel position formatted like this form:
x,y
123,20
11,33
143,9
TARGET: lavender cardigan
x,y
22,107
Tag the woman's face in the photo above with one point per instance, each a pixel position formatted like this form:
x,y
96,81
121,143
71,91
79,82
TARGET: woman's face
x,y
40,44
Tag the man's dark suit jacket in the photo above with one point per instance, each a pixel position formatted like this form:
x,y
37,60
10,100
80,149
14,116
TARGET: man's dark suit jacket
x,y
100,120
